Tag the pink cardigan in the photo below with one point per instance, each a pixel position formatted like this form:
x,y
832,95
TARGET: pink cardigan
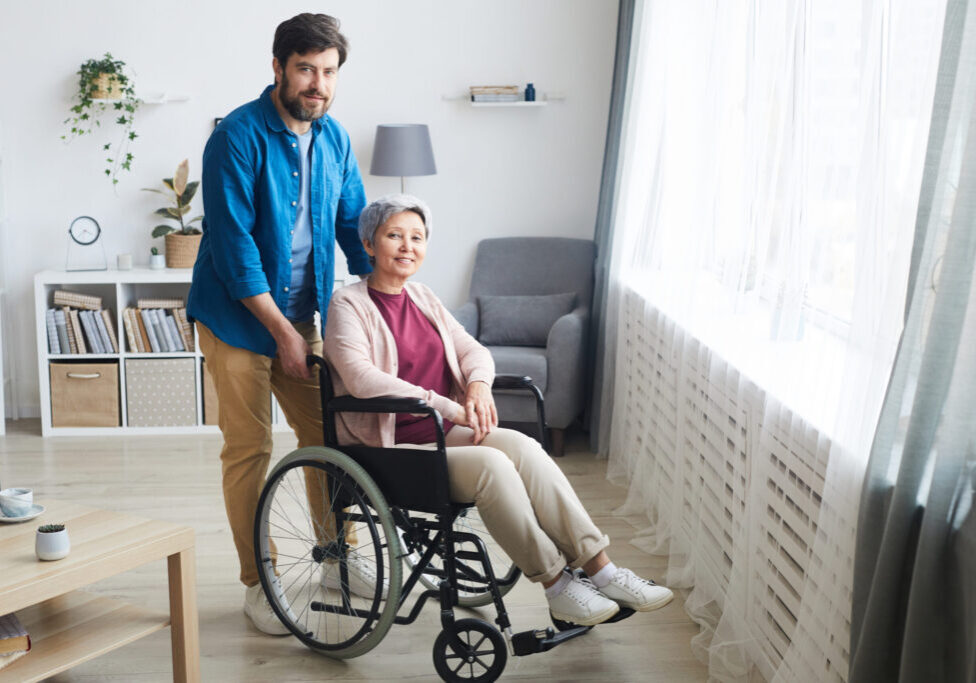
x,y
362,355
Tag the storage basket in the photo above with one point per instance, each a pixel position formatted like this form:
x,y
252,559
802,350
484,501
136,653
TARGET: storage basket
x,y
84,394
211,410
181,250
160,392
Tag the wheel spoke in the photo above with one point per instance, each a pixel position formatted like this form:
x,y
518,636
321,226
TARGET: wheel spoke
x,y
297,527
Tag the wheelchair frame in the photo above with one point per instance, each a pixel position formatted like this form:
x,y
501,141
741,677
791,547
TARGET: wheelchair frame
x,y
420,488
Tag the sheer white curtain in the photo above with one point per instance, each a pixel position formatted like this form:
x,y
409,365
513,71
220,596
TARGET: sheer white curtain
x,y
763,227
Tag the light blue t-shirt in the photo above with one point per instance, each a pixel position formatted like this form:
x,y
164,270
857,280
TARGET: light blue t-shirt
x,y
301,294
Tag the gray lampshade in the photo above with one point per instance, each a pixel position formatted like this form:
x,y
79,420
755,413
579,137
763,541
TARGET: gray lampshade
x,y
402,149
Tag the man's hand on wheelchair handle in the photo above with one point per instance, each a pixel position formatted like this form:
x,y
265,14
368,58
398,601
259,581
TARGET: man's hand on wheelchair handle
x,y
479,407
292,351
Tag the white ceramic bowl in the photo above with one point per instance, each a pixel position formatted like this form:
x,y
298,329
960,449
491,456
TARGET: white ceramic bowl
x,y
16,502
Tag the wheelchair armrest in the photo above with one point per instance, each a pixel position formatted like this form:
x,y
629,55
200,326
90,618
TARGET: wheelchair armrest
x,y
524,382
380,404
511,382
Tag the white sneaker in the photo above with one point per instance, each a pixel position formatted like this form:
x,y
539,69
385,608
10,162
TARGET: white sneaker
x,y
258,609
581,603
629,590
362,577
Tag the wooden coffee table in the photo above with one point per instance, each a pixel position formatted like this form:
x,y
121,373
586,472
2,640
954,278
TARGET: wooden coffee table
x,y
69,626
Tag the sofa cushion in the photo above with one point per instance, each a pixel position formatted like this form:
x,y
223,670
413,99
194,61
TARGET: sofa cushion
x,y
521,320
521,360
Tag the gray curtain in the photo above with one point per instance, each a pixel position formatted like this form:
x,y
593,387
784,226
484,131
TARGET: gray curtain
x,y
914,606
602,381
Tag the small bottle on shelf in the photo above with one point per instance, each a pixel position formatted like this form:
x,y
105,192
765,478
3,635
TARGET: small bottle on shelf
x,y
530,93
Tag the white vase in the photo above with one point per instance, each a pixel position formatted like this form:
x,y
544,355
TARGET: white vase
x,y
157,261
52,545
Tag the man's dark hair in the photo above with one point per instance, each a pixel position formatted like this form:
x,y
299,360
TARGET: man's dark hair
x,y
308,33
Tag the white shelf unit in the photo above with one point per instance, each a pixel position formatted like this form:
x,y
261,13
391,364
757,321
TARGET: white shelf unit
x,y
119,289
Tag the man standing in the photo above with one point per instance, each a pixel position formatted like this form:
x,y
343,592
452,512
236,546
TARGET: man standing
x,y
280,186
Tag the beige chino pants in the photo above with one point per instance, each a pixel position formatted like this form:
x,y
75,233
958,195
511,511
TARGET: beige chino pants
x,y
243,380
525,501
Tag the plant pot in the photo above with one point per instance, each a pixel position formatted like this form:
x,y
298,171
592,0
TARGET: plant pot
x,y
107,87
52,545
157,261
181,250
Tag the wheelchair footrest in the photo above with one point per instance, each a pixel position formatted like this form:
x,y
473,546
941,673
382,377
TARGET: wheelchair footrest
x,y
542,639
621,615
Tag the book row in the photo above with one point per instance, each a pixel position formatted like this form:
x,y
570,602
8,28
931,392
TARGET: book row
x,y
147,330
157,330
70,330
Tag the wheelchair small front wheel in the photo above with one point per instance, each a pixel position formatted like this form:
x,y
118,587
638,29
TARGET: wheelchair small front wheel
x,y
470,650
327,552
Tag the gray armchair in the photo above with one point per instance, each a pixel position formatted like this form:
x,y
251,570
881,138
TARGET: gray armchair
x,y
530,305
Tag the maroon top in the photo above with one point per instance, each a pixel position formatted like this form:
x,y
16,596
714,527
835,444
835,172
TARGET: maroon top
x,y
420,360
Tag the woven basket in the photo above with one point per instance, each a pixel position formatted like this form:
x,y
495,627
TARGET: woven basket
x,y
107,87
181,250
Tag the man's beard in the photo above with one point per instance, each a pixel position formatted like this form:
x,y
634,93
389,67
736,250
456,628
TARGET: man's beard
x,y
293,105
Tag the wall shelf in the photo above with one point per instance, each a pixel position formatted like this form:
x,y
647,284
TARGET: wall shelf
x,y
543,100
152,98
536,103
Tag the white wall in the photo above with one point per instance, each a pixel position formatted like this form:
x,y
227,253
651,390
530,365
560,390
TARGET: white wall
x,y
531,171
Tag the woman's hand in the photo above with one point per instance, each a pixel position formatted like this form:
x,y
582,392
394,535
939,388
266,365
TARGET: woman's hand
x,y
479,410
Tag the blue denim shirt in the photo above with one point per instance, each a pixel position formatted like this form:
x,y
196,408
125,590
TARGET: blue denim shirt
x,y
250,185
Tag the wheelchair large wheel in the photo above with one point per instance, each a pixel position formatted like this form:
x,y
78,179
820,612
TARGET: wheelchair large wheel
x,y
470,593
304,557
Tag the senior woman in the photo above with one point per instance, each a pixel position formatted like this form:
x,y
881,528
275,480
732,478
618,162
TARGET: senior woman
x,y
390,336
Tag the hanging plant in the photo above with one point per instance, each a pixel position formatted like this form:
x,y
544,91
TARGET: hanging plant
x,y
105,90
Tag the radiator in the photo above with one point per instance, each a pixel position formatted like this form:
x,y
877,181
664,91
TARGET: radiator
x,y
733,483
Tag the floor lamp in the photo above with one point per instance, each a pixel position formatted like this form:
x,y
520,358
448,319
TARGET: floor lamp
x,y
402,149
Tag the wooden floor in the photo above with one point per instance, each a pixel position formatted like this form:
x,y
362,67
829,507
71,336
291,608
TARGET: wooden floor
x,y
177,478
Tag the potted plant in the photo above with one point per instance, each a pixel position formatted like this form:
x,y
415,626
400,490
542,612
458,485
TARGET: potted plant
x,y
52,542
156,260
103,86
182,242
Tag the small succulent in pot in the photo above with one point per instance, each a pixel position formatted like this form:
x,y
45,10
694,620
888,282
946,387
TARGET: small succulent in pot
x,y
182,193
51,542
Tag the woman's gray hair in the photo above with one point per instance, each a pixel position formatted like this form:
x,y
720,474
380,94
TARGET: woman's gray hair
x,y
380,211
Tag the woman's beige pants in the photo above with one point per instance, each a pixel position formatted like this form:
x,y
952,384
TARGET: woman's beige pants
x,y
524,499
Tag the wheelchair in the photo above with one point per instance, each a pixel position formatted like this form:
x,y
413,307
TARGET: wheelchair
x,y
323,508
